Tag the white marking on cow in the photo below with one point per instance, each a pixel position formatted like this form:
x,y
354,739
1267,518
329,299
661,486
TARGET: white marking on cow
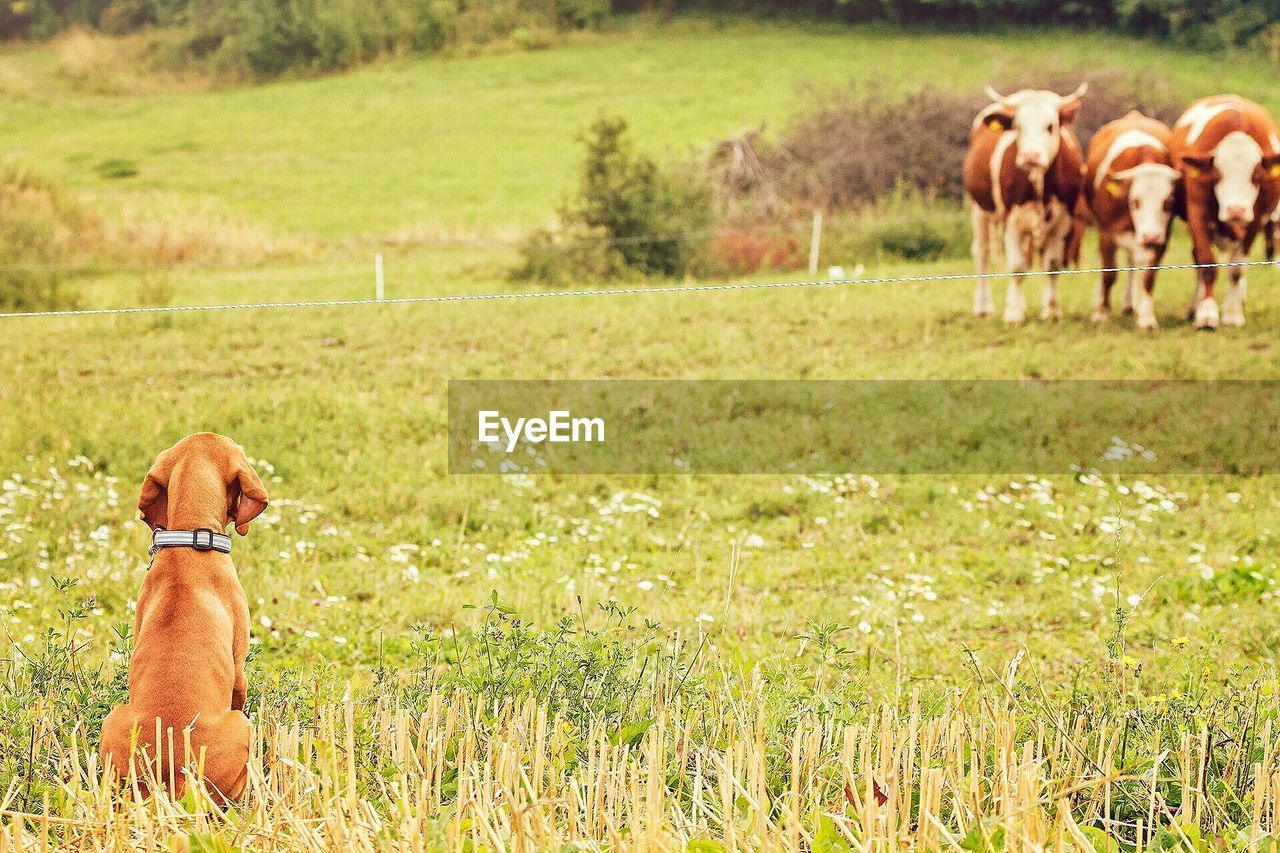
x,y
1131,138
1036,116
1020,229
1198,117
984,225
1275,143
1237,158
1150,187
997,163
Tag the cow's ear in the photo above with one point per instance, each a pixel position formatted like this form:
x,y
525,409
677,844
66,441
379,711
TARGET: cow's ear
x,y
998,120
1197,165
1271,166
1069,111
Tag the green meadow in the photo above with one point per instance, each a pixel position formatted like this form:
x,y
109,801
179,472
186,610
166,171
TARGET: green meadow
x,y
488,143
348,403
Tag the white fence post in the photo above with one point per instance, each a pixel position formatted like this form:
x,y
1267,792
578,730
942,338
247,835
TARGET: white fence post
x,y
815,242
379,291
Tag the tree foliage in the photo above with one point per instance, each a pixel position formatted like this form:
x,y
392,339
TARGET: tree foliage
x,y
630,216
269,36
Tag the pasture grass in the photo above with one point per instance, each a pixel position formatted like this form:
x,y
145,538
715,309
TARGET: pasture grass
x,y
485,142
801,648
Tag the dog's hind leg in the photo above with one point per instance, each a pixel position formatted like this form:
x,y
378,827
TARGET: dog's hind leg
x,y
226,755
118,742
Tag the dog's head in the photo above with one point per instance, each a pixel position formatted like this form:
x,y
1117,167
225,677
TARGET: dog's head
x,y
211,476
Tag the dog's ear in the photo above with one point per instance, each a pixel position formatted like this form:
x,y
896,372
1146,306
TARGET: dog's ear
x,y
153,503
252,499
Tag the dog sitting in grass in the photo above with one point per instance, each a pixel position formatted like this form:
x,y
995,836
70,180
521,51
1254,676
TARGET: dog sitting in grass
x,y
191,634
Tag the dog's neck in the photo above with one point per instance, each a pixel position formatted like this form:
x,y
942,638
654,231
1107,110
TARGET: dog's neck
x,y
197,498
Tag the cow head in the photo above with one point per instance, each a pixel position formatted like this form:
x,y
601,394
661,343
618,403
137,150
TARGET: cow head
x,y
1037,116
1149,189
1237,169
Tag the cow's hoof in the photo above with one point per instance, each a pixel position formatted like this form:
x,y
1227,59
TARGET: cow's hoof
x,y
1148,324
1126,310
1207,315
1100,315
983,312
1013,317
1232,316
1051,314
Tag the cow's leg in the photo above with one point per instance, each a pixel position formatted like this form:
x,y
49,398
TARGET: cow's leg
x,y
1050,308
1233,307
1127,306
1204,309
1207,308
1107,256
1057,243
1144,302
1016,260
1196,296
983,303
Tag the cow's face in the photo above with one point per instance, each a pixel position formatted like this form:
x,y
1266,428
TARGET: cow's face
x,y
1038,116
1237,170
1149,189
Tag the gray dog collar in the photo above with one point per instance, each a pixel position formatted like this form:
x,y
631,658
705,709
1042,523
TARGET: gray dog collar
x,y
201,539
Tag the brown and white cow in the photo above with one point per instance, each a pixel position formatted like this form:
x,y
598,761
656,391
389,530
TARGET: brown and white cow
x,y
1023,175
1130,184
1228,149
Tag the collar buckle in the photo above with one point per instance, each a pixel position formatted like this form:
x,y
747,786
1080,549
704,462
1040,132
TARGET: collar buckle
x,y
199,544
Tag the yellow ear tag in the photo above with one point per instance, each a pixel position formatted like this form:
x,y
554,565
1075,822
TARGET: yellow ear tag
x,y
1193,172
994,124
1115,189
1275,171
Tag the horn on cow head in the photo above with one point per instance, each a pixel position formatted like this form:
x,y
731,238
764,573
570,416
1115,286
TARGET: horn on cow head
x,y
1069,105
1150,169
1076,95
994,95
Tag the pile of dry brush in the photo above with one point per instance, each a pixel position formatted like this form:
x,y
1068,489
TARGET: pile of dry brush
x,y
861,144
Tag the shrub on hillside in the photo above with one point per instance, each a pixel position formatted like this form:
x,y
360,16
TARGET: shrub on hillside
x,y
41,227
629,214
563,256
1204,23
857,146
738,251
268,38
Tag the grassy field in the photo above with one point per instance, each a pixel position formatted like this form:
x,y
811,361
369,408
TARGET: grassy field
x,y
488,142
1032,659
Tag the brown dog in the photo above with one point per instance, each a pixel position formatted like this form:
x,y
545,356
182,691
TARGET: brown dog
x,y
191,633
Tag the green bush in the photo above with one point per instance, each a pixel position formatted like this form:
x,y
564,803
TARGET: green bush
x,y
563,258
913,241
631,200
901,227
629,214
581,13
269,38
41,228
